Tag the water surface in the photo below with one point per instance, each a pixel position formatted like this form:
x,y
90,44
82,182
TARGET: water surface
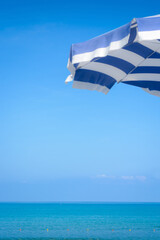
x,y
57,221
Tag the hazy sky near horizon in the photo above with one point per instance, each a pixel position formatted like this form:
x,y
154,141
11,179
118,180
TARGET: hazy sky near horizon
x,y
64,144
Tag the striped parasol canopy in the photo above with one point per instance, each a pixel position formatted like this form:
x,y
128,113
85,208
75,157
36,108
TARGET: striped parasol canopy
x,y
129,54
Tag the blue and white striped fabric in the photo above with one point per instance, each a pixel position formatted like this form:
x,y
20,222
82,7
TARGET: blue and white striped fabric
x,y
129,54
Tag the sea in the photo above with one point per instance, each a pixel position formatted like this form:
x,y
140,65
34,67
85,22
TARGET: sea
x,y
96,221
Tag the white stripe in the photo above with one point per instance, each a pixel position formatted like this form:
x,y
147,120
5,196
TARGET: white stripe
x,y
90,86
142,77
69,79
153,92
81,64
128,56
158,15
148,35
154,45
151,62
71,68
158,51
134,25
99,52
113,72
133,21
118,44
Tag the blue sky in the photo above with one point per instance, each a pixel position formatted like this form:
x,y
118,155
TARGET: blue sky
x,y
64,144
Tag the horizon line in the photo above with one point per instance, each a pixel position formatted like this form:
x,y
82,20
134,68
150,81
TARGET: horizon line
x,y
82,202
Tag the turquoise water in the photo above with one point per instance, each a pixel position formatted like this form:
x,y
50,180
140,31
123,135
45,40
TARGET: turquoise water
x,y
79,221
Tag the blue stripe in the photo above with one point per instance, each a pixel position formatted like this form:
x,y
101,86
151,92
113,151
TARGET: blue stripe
x,y
133,34
70,54
147,69
155,55
148,24
76,65
117,62
151,85
139,49
89,76
101,41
